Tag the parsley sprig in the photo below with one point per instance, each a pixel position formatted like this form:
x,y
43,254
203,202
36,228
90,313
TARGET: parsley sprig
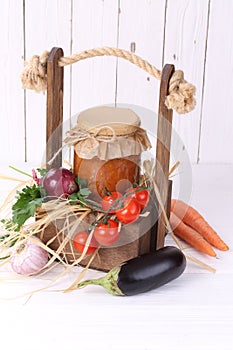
x,y
28,199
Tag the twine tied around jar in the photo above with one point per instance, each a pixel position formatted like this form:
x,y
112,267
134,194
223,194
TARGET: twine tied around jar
x,y
89,144
181,93
77,134
91,140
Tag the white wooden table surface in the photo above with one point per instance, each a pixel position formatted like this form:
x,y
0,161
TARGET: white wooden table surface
x,y
193,312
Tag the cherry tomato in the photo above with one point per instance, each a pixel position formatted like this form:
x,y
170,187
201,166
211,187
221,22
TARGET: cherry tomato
x,y
80,240
106,234
108,201
141,196
130,212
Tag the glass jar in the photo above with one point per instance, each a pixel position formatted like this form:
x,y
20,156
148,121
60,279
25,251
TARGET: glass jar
x,y
108,143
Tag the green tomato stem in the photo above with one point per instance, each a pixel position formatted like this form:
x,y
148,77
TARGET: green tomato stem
x,y
109,282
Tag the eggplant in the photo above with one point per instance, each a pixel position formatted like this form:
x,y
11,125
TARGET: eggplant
x,y
143,273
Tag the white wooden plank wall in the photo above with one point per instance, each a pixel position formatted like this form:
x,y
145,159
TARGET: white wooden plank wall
x,y
12,116
195,35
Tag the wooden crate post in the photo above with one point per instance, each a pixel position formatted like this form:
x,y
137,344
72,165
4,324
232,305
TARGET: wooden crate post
x,y
163,152
54,108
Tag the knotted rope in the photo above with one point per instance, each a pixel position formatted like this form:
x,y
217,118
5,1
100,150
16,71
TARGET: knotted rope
x,y
181,93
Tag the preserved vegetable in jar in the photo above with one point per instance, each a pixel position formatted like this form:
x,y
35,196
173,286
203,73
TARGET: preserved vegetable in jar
x,y
108,143
108,176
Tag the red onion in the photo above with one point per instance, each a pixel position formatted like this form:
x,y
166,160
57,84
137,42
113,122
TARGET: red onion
x,y
59,182
28,257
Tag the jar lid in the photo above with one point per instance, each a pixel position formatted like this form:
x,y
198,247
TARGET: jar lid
x,y
124,121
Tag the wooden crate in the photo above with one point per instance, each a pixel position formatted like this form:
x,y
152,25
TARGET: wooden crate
x,y
154,227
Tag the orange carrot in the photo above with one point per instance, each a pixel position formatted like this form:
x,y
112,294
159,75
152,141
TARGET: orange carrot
x,y
194,219
190,236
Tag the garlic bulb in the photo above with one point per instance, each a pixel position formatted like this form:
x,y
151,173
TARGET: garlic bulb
x,y
28,257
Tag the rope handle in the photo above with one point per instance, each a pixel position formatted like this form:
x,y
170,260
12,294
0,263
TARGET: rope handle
x,y
181,93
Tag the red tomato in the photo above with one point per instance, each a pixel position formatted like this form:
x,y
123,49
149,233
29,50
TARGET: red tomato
x,y
80,240
141,196
106,234
108,201
130,212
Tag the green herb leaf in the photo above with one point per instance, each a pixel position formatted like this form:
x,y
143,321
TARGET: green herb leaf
x,y
28,199
42,172
77,198
73,198
81,182
10,226
84,192
81,196
3,237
